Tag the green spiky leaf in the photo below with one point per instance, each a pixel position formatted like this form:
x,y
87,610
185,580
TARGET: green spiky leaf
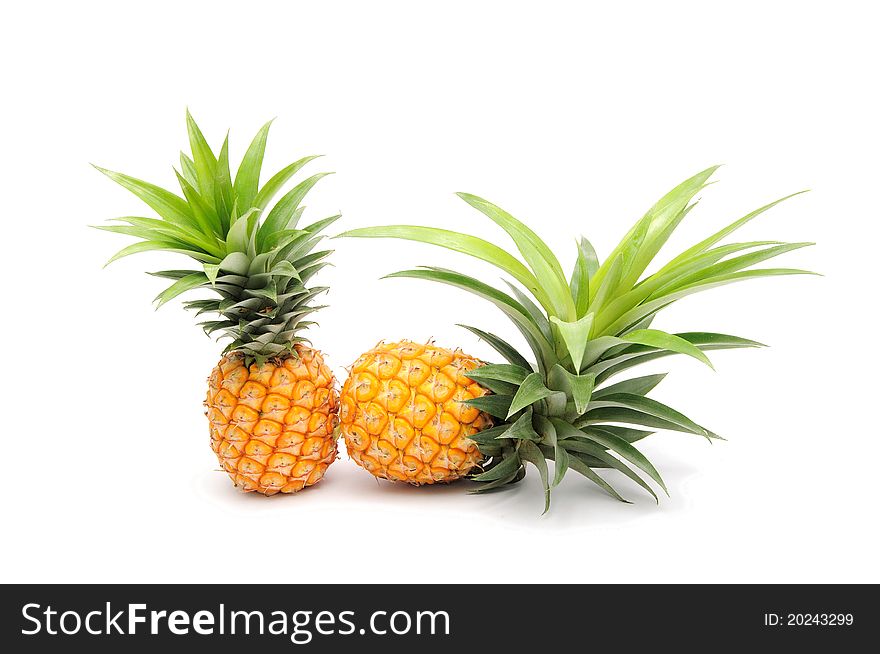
x,y
463,243
502,372
579,387
584,331
531,390
503,348
585,267
663,341
521,429
634,386
538,256
507,467
247,179
497,406
262,298
575,335
528,451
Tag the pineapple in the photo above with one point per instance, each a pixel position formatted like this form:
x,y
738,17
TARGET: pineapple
x,y
271,400
402,413
557,400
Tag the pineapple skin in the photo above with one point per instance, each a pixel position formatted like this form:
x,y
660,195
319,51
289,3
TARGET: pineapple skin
x,y
272,425
401,414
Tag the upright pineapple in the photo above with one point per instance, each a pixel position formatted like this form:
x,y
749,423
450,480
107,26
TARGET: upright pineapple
x,y
581,331
271,401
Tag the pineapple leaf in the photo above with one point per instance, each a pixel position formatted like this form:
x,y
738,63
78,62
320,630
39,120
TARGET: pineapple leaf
x,y
488,437
188,168
498,386
521,429
585,267
202,306
651,307
659,223
501,346
540,258
647,287
546,429
505,372
514,310
211,270
626,451
664,341
163,228
282,238
747,274
141,232
236,263
590,448
498,484
172,274
620,404
182,285
238,238
562,459
731,265
602,346
247,178
206,218
169,206
202,157
704,245
278,180
629,434
695,263
536,313
580,387
528,451
307,273
634,386
289,245
313,257
259,264
605,291
320,225
284,214
285,269
463,243
224,195
297,249
146,246
577,464
575,336
531,390
262,294
497,406
509,465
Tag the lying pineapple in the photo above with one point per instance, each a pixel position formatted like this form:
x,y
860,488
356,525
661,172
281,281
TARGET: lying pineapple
x,y
581,332
271,399
403,416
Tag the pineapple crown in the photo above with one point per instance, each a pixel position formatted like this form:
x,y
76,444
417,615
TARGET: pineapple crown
x,y
584,329
254,258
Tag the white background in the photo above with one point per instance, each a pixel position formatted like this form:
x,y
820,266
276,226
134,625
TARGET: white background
x,y
573,116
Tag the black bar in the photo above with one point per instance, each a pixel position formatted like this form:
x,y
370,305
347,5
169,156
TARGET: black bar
x,y
496,617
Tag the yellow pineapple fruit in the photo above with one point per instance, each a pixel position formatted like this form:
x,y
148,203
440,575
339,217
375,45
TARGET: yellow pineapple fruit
x,y
402,413
272,425
271,402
